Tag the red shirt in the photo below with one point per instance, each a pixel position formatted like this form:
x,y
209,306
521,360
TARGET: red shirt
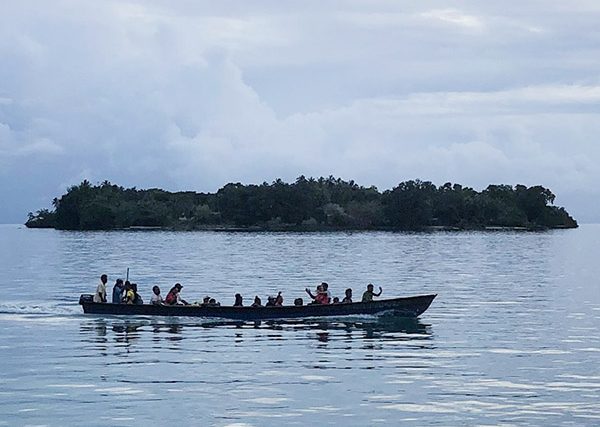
x,y
171,298
322,298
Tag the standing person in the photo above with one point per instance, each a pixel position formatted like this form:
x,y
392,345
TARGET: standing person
x,y
100,295
117,293
156,298
369,294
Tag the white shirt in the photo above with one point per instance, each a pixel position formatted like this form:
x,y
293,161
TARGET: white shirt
x,y
156,299
100,295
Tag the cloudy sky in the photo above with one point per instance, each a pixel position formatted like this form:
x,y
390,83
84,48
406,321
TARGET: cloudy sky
x,y
192,95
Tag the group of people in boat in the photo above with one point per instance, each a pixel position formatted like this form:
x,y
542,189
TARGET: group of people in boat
x,y
125,292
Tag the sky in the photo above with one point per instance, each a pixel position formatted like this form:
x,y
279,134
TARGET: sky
x,y
191,95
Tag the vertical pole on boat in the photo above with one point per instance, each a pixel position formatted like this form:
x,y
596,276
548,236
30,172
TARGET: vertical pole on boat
x,y
127,274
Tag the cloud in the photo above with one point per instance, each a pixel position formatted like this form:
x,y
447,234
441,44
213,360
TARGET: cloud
x,y
455,17
191,96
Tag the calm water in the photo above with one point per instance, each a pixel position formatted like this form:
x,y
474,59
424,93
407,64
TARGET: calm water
x,y
512,339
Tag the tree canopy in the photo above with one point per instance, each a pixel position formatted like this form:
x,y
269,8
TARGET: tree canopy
x,y
306,204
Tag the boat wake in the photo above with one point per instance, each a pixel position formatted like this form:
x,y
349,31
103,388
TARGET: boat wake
x,y
46,309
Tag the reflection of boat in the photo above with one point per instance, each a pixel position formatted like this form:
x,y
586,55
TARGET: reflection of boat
x,y
398,307
382,328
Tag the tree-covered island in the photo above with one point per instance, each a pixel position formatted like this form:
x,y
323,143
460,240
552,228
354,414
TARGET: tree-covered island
x,y
307,204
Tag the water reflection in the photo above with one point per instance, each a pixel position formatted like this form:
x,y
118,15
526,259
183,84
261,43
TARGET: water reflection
x,y
176,329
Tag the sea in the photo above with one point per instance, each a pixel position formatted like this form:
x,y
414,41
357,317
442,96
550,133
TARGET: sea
x,y
512,339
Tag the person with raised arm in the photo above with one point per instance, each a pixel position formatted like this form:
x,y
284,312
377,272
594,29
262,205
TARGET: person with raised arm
x,y
369,294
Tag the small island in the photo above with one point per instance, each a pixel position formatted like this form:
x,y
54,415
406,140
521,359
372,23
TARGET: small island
x,y
305,205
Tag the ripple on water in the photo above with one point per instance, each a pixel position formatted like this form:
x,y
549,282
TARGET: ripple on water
x,y
512,338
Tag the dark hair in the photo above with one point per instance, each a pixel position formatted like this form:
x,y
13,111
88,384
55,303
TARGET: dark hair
x,y
119,281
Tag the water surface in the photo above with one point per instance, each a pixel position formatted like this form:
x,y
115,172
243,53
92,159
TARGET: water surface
x,y
512,339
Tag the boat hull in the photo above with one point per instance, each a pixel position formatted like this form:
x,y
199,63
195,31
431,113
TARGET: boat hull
x,y
409,307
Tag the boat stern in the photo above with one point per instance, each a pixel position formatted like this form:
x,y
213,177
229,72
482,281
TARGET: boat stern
x,y
85,298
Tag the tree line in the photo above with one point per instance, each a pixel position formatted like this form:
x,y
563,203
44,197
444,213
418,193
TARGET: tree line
x,y
306,204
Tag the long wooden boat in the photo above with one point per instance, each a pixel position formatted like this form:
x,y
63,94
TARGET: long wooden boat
x,y
409,307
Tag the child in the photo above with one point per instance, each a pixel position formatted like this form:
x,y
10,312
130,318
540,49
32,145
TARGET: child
x,y
348,298
156,298
369,294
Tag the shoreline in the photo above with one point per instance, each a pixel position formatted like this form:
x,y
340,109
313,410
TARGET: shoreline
x,y
303,229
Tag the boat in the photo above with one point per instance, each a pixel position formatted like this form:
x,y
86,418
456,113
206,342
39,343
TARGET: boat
x,y
409,307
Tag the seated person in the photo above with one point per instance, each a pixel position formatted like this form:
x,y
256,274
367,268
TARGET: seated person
x,y
257,302
279,299
348,298
117,293
322,288
298,302
325,286
156,298
137,299
213,303
336,300
321,296
270,302
205,301
238,301
174,297
129,294
369,294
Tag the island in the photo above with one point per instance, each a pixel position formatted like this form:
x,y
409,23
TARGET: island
x,y
308,204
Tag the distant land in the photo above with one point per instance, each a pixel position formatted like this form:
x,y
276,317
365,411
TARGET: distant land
x,y
305,205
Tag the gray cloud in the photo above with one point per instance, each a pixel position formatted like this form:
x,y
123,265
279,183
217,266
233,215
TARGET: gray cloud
x,y
194,95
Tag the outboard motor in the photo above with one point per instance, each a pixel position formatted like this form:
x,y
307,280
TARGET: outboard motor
x,y
86,298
